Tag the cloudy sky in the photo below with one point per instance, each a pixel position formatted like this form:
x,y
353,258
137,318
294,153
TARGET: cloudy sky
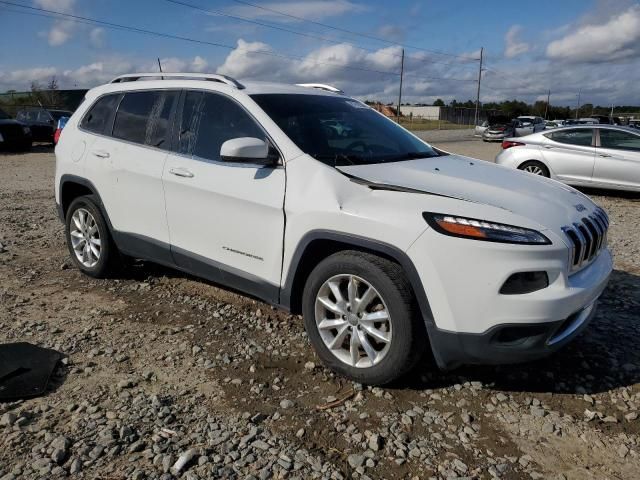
x,y
591,46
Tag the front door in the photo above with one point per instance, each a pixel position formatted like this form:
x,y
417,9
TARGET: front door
x,y
226,219
571,154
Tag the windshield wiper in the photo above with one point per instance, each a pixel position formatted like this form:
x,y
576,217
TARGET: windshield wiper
x,y
335,158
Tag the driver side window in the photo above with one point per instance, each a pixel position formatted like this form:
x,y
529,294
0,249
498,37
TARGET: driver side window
x,y
208,120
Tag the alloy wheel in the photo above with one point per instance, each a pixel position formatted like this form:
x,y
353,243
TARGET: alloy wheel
x,y
535,169
353,321
85,238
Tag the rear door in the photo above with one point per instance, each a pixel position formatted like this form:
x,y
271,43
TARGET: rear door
x,y
226,219
617,159
128,159
571,154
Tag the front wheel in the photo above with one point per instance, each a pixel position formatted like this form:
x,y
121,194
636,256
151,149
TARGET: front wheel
x,y
535,167
361,318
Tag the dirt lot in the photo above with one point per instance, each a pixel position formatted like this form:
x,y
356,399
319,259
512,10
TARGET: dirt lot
x,y
163,366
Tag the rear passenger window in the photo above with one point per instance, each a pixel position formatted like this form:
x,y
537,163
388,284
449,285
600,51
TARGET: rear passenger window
x,y
98,117
143,117
578,136
208,120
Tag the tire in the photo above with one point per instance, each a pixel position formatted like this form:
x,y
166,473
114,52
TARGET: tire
x,y
404,331
535,167
107,260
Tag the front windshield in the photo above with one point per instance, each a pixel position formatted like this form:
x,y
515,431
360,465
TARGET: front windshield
x,y
340,130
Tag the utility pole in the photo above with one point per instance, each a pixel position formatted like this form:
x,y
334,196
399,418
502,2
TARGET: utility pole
x,y
578,105
400,91
546,108
160,67
478,94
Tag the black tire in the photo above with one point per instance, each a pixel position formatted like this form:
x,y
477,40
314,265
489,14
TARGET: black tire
x,y
109,259
409,338
535,163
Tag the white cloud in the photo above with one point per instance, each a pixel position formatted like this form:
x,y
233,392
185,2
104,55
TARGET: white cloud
x,y
97,37
244,62
512,46
56,5
62,30
616,39
309,9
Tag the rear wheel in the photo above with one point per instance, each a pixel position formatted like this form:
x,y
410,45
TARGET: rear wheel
x,y
360,315
535,167
89,240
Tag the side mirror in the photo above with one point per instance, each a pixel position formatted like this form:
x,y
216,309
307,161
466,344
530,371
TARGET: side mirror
x,y
248,150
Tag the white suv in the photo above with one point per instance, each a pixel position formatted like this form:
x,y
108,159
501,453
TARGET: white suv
x,y
312,201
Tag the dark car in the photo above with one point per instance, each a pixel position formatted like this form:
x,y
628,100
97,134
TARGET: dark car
x,y
43,122
500,127
13,134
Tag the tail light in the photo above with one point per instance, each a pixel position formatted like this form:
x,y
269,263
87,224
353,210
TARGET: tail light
x,y
56,135
508,144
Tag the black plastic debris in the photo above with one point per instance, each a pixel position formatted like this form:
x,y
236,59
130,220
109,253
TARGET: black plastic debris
x,y
25,370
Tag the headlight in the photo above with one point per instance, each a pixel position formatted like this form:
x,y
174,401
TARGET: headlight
x,y
26,130
476,229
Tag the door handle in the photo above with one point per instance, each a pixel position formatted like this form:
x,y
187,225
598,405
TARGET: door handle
x,y
604,155
101,153
548,147
181,172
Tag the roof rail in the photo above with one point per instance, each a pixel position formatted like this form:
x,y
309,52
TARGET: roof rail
x,y
212,77
320,86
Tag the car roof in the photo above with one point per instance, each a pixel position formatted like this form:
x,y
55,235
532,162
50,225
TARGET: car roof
x,y
246,87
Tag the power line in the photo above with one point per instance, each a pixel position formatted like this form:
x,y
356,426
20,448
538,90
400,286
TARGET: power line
x,y
351,32
210,11
92,21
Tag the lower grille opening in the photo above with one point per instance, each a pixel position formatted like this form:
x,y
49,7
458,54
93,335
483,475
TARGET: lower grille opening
x,y
512,336
525,282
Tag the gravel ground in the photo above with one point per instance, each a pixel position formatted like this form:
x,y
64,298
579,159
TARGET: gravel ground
x,y
167,376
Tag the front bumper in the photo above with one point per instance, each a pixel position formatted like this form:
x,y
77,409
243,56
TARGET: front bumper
x,y
472,322
508,343
494,136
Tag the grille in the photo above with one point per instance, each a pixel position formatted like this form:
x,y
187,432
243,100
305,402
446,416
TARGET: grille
x,y
587,237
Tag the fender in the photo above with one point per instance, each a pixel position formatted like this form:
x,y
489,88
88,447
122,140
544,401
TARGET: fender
x,y
375,246
363,243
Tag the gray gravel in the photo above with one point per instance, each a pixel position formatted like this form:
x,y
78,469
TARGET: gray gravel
x,y
169,377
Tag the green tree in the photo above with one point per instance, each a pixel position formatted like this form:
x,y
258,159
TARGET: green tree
x,y
438,103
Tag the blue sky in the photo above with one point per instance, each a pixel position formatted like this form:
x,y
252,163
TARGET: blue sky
x,y
564,46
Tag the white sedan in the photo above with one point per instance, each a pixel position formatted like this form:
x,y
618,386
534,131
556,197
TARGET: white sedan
x,y
604,156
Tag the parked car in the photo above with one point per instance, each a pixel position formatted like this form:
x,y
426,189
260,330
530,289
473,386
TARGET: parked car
x,y
560,123
604,156
480,129
62,121
548,125
14,135
499,128
43,122
387,247
526,125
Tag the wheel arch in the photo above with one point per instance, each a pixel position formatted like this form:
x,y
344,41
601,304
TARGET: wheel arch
x,y
319,244
72,187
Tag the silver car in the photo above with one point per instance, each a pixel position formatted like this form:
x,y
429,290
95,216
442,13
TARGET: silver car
x,y
604,156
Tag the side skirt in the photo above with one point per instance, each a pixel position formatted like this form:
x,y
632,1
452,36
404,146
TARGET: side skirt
x,y
144,248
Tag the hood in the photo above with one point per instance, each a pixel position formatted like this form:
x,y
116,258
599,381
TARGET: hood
x,y
9,121
549,203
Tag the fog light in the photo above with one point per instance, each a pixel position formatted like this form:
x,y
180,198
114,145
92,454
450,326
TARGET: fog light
x,y
525,282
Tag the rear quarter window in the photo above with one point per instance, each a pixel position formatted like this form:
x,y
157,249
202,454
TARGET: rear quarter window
x,y
100,114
